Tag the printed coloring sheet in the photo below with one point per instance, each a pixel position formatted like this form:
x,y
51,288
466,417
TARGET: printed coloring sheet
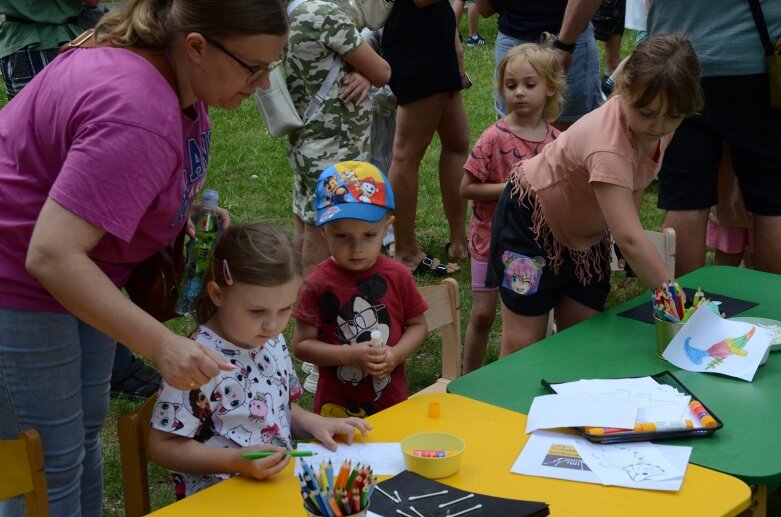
x,y
709,343
634,465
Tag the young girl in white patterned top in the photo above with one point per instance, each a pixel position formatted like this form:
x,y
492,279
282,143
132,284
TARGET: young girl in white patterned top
x,y
201,434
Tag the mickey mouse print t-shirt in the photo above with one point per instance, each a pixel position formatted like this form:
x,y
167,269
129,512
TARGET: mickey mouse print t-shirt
x,y
346,306
247,406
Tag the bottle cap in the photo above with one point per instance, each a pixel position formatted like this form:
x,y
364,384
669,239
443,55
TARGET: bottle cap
x,y
210,198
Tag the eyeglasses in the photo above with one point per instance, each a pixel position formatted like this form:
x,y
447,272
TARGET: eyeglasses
x,y
254,72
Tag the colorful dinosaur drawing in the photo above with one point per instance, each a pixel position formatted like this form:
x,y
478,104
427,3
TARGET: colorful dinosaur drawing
x,y
719,351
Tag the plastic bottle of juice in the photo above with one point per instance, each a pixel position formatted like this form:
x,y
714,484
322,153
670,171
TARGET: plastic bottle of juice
x,y
199,251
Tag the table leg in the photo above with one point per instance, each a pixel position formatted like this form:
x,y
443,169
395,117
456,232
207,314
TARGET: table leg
x,y
758,506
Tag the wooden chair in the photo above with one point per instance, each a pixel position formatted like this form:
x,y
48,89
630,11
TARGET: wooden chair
x,y
133,432
22,472
664,242
444,314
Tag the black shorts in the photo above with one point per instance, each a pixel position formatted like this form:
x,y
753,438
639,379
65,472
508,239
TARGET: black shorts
x,y
737,111
609,19
521,268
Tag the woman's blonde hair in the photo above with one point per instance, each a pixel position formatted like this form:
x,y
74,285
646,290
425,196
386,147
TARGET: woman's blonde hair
x,y
665,65
256,253
154,23
544,61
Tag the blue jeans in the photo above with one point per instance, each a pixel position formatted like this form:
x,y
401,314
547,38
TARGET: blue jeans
x,y
54,377
583,91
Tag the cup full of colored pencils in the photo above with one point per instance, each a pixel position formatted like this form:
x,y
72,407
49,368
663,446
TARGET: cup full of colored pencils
x,y
671,310
341,492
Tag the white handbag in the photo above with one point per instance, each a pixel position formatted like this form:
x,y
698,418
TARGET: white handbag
x,y
275,105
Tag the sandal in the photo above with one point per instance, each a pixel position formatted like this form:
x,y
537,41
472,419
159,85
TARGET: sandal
x,y
137,380
426,267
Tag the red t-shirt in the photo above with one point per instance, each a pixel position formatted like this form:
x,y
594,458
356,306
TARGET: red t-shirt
x,y
346,306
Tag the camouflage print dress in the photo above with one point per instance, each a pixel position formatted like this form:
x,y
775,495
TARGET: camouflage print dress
x,y
319,31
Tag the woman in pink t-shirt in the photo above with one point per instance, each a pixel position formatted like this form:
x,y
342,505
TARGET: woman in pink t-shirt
x,y
550,245
101,156
531,83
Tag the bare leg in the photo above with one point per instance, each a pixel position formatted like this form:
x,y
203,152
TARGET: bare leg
x,y
313,246
458,9
473,14
481,319
689,226
415,126
569,312
612,52
722,258
454,134
767,243
520,331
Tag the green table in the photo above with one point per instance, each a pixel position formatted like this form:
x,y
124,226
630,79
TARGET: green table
x,y
608,345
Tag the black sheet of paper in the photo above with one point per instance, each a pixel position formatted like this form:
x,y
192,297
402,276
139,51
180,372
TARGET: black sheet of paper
x,y
410,484
729,306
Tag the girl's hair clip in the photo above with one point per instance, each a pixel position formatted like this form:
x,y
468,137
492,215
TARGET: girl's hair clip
x,y
226,273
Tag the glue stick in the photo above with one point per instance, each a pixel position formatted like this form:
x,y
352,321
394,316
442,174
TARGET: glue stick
x,y
377,339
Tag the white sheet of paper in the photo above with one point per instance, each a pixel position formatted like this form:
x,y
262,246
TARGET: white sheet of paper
x,y
385,459
555,455
709,343
550,411
655,402
629,464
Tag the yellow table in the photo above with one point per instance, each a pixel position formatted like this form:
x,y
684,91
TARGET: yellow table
x,y
494,437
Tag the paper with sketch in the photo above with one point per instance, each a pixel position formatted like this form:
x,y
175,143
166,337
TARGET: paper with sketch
x,y
655,402
632,464
385,459
550,411
709,343
555,455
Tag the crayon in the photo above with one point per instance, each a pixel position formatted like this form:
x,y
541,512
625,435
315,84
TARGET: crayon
x,y
356,500
344,472
329,473
351,479
309,475
309,502
702,414
265,454
334,507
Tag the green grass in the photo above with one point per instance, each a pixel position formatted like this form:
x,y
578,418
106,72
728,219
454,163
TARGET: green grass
x,y
241,150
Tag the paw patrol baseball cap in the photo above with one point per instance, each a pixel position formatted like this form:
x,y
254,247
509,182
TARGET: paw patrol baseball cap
x,y
353,190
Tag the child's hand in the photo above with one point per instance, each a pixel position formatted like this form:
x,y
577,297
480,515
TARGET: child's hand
x,y
262,468
384,366
368,358
324,429
355,88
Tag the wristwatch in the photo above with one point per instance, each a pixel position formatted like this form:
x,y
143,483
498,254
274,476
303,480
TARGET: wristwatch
x,y
566,47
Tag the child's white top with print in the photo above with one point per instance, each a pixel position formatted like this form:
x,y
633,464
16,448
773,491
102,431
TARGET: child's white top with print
x,y
247,406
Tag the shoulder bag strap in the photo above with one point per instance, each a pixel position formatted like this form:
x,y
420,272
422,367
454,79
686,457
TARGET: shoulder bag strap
x,y
322,93
759,20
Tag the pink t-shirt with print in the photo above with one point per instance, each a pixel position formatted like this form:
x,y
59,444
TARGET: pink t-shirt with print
x,y
494,154
113,147
597,148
